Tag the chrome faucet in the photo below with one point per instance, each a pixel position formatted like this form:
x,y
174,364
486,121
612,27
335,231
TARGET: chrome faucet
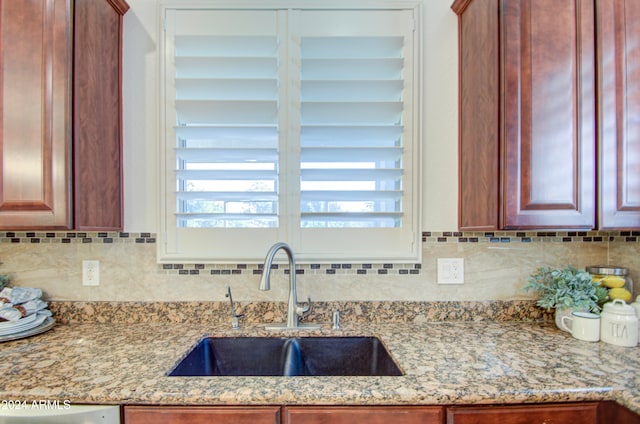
x,y
293,310
235,318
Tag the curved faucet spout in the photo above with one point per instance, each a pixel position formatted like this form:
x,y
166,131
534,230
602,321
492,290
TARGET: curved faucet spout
x,y
293,310
265,280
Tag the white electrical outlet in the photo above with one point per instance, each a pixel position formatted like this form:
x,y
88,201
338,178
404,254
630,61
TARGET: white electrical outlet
x,y
90,273
450,271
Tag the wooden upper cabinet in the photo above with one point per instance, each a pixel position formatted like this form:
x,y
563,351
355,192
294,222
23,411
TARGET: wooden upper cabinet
x,y
35,113
479,120
97,114
548,151
618,46
527,114
60,116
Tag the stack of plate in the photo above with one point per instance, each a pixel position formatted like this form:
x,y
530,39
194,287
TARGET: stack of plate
x,y
24,327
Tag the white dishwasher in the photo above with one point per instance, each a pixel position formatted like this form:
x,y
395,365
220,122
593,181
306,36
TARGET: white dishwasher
x,y
23,413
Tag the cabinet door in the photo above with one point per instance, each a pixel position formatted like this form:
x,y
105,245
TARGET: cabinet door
x,y
548,145
583,413
35,114
201,415
619,113
361,414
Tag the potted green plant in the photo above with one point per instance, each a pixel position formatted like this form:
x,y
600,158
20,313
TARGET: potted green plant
x,y
566,290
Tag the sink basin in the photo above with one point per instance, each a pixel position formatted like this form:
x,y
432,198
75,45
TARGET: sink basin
x,y
287,356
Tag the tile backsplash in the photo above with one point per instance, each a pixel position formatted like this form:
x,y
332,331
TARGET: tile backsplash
x,y
497,265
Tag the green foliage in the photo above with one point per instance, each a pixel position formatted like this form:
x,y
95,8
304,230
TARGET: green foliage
x,y
4,281
566,288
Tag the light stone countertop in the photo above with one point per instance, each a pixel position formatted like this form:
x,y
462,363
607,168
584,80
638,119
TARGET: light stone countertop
x,y
444,363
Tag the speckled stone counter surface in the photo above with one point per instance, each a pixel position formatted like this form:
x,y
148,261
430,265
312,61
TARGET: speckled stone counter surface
x,y
444,363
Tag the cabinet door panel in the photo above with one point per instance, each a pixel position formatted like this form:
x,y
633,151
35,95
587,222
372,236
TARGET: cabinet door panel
x,y
35,139
619,113
201,415
584,413
361,414
549,114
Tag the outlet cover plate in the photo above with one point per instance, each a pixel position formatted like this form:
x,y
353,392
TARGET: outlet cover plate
x,y
450,271
90,273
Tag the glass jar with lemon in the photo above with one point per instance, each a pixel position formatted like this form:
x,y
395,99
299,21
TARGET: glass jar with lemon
x,y
615,279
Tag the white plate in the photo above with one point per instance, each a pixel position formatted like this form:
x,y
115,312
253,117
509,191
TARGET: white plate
x,y
21,321
45,326
39,319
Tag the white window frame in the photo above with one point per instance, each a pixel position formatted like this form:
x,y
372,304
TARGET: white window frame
x,y
209,245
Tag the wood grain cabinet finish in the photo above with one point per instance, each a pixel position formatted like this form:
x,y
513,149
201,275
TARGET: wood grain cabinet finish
x,y
527,114
35,132
363,414
201,415
604,412
60,115
618,52
583,413
97,114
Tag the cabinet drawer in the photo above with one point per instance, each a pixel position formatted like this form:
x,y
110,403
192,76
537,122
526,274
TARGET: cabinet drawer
x,y
583,413
363,414
201,415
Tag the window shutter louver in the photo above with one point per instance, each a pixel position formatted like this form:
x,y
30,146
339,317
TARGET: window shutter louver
x,y
351,88
226,131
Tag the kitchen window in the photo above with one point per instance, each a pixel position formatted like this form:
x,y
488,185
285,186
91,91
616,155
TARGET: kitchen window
x,y
290,124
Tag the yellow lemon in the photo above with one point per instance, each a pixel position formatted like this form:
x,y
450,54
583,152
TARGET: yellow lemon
x,y
612,281
620,293
596,278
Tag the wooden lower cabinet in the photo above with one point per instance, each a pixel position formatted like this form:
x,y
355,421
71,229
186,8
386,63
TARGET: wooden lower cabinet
x,y
583,413
605,412
201,414
363,414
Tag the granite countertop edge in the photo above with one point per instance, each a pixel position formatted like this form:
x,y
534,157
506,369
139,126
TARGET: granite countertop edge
x,y
445,363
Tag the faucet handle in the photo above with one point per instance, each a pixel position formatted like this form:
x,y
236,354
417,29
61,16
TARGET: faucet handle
x,y
301,310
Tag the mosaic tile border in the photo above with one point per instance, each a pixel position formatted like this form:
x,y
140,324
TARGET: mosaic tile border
x,y
530,236
301,269
69,237
260,312
428,237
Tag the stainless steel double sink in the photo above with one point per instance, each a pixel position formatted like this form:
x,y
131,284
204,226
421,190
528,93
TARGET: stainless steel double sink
x,y
287,356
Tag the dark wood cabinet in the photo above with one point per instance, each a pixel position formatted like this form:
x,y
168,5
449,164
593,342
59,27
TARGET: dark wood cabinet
x,y
60,116
35,135
201,415
618,47
363,414
583,413
604,412
527,114
97,114
549,127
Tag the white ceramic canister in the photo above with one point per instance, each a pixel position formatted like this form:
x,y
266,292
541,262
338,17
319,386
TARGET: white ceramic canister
x,y
636,306
619,324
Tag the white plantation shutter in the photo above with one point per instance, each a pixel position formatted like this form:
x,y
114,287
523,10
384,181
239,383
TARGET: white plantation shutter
x,y
226,105
351,135
357,134
290,125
